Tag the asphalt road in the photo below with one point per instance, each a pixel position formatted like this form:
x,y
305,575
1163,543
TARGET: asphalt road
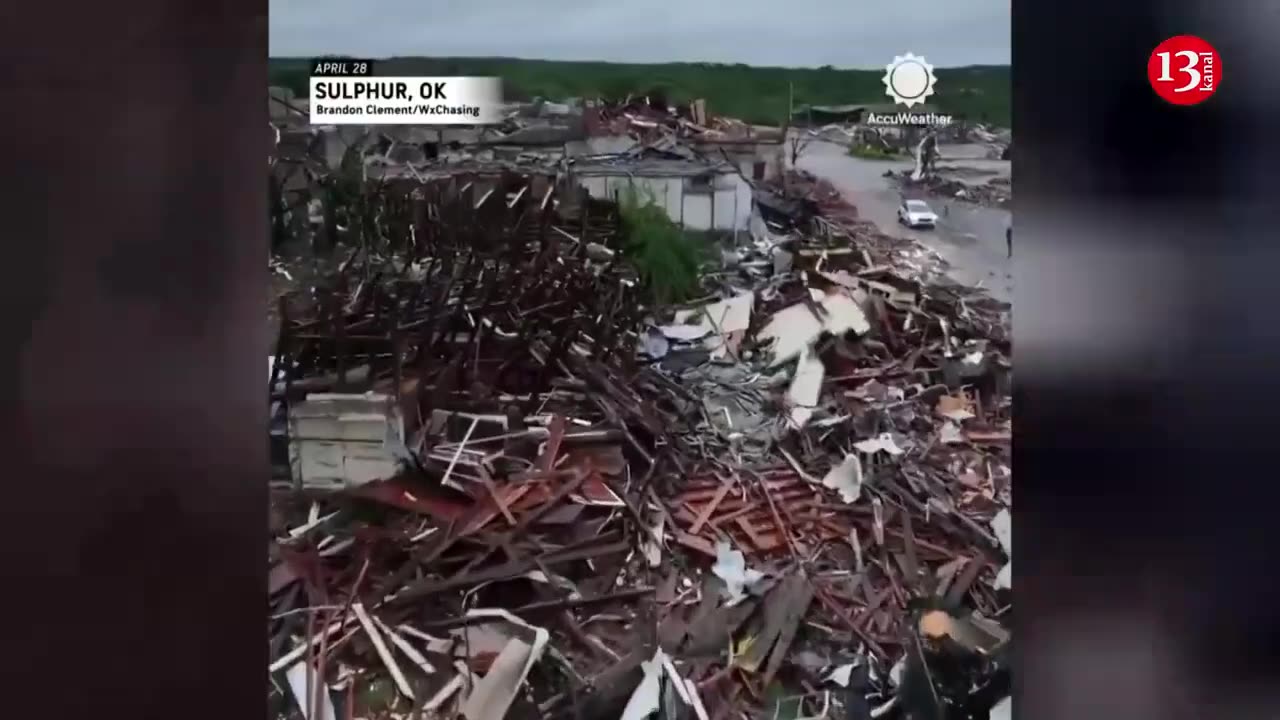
x,y
970,237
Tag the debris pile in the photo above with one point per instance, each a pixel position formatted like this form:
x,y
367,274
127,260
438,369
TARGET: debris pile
x,y
997,191
801,200
999,142
507,487
650,117
829,202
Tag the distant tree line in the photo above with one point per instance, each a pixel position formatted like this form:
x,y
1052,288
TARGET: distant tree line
x,y
754,94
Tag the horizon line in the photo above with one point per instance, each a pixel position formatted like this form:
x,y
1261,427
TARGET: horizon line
x,y
625,62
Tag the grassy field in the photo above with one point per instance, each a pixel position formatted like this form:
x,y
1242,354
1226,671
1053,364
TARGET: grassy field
x,y
754,94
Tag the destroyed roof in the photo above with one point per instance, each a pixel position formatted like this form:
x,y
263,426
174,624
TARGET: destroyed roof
x,y
794,209
649,167
465,169
834,109
853,109
538,135
756,135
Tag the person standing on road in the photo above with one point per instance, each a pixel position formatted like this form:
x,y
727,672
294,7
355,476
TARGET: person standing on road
x,y
1008,238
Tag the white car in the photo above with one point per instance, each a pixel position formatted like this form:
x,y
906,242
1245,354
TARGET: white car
x,y
917,213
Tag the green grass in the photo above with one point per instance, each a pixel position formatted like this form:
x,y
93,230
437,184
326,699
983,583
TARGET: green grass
x,y
754,94
871,152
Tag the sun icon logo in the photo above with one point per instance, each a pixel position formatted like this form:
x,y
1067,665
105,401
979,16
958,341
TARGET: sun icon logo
x,y
909,79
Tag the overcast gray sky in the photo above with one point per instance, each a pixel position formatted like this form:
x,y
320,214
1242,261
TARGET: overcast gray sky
x,y
796,33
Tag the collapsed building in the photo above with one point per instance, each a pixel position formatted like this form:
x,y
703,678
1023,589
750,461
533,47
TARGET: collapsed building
x,y
702,174
696,195
510,484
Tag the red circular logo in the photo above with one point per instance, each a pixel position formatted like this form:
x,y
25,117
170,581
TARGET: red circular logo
x,y
1184,70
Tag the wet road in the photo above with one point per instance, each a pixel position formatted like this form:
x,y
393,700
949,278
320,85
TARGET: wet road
x,y
970,237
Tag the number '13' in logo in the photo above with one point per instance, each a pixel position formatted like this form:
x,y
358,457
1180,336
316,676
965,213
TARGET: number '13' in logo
x,y
1184,70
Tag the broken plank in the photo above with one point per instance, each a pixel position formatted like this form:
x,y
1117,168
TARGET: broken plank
x,y
797,604
419,590
693,542
756,539
711,506
964,581
776,607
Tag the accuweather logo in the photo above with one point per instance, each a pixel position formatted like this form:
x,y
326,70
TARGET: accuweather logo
x,y
909,79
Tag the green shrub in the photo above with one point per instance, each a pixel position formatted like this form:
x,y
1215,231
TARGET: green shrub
x,y
666,257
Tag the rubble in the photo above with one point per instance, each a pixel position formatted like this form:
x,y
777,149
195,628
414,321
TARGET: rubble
x,y
651,118
997,191
509,486
937,170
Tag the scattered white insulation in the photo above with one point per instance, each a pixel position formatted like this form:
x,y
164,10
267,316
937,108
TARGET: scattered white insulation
x,y
795,328
731,567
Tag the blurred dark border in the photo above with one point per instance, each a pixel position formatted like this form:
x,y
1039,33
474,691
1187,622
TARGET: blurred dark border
x,y
135,509
1146,390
